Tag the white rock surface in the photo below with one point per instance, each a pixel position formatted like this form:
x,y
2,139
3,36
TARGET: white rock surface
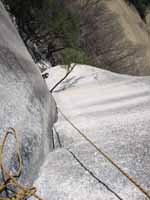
x,y
114,112
25,102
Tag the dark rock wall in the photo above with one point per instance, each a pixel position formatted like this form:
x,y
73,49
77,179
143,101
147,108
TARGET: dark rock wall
x,y
114,36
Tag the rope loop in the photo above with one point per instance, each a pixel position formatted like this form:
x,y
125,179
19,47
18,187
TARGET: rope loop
x,y
10,179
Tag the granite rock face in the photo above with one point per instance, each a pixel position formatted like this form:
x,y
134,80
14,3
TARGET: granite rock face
x,y
114,36
148,21
25,102
113,112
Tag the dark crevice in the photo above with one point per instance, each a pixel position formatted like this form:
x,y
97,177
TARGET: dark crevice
x,y
94,176
57,136
83,165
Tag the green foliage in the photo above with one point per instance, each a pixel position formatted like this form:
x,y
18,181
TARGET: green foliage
x,y
47,27
63,23
71,55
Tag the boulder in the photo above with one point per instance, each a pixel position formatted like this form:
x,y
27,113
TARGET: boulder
x,y
148,21
114,36
112,110
25,103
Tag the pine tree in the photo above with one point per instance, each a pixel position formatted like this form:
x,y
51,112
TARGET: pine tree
x,y
46,27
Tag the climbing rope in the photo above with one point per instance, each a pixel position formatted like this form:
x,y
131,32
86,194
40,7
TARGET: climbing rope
x,y
84,167
10,179
107,157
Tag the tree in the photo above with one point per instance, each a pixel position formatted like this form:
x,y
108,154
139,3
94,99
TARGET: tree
x,y
71,58
47,27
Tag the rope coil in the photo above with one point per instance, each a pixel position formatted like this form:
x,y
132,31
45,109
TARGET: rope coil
x,y
11,179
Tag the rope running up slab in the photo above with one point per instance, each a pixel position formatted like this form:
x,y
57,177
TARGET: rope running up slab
x,y
107,157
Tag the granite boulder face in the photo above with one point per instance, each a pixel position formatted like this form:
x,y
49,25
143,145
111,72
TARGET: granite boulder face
x,y
114,36
112,110
25,102
148,21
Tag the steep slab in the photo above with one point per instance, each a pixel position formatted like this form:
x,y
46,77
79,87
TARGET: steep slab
x,y
113,111
25,102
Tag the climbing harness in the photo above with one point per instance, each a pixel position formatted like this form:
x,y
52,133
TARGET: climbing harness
x,y
10,179
106,156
